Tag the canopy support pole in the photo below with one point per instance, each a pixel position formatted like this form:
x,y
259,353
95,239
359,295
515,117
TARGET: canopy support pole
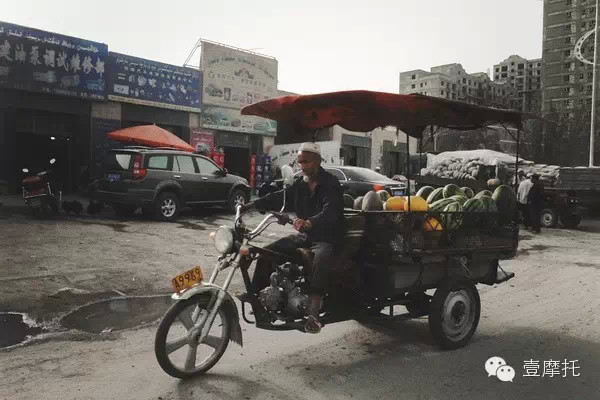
x,y
517,159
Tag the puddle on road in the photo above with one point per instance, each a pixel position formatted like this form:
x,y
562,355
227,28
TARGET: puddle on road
x,y
117,314
16,328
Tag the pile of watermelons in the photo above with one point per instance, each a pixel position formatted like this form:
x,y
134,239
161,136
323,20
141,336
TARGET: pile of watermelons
x,y
450,198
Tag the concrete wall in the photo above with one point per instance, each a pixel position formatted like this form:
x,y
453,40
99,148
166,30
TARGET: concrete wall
x,y
380,135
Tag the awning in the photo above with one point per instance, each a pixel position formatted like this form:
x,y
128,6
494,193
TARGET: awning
x,y
363,111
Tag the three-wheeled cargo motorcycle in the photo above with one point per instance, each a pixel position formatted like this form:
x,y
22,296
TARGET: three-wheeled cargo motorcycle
x,y
389,258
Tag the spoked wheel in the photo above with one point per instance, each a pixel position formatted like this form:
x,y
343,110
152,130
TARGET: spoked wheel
x,y
454,313
177,345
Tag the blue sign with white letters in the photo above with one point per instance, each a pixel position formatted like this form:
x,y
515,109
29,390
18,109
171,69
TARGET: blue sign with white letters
x,y
40,61
140,81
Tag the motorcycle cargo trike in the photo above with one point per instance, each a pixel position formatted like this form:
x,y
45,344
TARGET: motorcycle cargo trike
x,y
425,261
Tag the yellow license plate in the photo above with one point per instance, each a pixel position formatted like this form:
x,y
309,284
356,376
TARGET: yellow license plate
x,y
187,279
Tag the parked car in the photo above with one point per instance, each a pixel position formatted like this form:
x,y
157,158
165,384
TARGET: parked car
x,y
357,181
162,181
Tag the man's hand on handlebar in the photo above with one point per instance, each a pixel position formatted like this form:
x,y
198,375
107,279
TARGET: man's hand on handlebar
x,y
302,225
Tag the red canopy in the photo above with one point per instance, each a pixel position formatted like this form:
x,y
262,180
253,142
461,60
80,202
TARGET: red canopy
x,y
362,111
150,135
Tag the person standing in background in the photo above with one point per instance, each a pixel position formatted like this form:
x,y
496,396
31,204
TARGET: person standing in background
x,y
522,194
535,199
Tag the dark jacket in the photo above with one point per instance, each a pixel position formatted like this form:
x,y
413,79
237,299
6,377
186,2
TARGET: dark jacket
x,y
535,198
324,209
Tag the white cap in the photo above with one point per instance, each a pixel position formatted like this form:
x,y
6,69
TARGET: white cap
x,y
310,147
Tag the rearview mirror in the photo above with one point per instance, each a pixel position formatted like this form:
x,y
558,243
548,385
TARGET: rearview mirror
x,y
52,161
25,170
287,173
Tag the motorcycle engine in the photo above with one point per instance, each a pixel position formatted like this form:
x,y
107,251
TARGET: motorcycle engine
x,y
285,295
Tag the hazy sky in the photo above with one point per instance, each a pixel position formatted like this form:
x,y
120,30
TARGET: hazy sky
x,y
321,45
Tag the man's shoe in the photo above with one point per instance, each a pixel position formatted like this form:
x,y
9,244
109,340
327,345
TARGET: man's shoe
x,y
312,325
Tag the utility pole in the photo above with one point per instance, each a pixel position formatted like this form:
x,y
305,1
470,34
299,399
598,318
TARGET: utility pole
x,y
594,84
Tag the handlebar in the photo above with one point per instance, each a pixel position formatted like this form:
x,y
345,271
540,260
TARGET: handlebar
x,y
282,219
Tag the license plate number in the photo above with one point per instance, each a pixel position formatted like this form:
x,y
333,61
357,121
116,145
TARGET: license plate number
x,y
187,279
114,177
397,192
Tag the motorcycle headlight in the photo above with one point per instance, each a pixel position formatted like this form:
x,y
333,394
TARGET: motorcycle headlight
x,y
224,240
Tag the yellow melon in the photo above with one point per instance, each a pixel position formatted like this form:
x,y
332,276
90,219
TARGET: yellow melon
x,y
416,203
395,203
432,224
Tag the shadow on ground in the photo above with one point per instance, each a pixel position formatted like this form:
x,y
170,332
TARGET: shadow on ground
x,y
402,358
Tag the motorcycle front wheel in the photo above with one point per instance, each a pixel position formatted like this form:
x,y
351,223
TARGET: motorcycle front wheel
x,y
177,347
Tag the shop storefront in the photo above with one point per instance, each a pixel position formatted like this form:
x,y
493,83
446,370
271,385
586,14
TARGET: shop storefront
x,y
233,78
47,85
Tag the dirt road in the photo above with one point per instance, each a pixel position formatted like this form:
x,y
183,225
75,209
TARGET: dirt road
x,y
549,311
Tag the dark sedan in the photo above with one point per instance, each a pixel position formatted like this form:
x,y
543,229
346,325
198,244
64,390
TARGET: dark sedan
x,y
357,181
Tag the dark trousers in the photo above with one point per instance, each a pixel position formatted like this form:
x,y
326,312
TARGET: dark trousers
x,y
534,217
524,208
323,256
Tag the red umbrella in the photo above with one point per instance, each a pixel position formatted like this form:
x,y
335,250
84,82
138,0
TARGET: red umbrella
x,y
150,135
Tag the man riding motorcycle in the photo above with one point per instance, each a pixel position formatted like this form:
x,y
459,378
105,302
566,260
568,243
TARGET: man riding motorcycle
x,y
318,203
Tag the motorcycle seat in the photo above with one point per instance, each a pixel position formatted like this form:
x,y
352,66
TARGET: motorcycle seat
x,y
306,257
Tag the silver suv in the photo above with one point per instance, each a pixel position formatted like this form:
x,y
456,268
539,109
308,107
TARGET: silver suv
x,y
162,181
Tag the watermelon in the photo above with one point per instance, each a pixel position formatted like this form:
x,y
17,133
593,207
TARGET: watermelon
x,y
474,205
440,205
452,222
451,190
483,193
459,198
506,201
372,202
436,195
468,192
383,195
489,204
348,201
425,191
358,203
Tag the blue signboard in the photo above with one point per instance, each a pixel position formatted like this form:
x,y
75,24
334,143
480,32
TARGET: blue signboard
x,y
140,81
40,61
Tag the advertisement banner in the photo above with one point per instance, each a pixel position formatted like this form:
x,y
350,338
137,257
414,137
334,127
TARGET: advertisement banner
x,y
151,83
231,120
235,78
202,140
39,61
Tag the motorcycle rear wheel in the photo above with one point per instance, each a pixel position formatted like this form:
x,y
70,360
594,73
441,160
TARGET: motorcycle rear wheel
x,y
182,313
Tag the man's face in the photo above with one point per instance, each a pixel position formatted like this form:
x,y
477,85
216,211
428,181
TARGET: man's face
x,y
309,163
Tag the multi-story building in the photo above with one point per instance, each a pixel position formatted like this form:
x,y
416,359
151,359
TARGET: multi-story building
x,y
525,76
566,81
451,81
